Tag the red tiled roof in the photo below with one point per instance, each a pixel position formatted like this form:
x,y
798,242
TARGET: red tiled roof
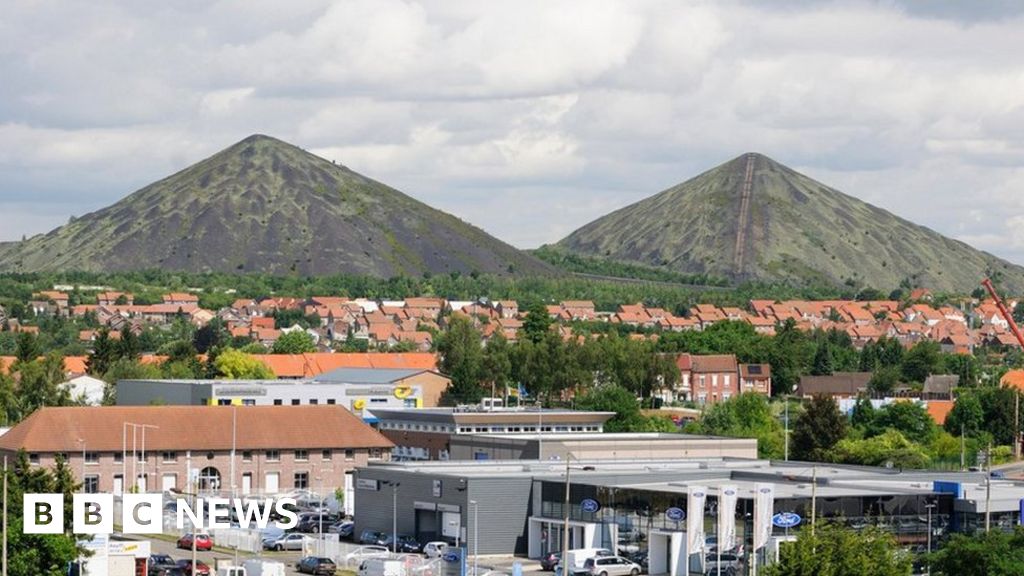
x,y
193,428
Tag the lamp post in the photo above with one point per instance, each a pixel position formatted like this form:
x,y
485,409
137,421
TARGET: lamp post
x,y
929,505
394,513
566,570
476,534
540,431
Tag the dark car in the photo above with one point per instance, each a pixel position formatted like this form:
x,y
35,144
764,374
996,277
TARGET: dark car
x,y
201,569
311,523
170,571
550,560
343,528
158,563
374,538
406,544
317,565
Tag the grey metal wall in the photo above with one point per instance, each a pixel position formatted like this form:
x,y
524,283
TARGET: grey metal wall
x,y
144,392
504,506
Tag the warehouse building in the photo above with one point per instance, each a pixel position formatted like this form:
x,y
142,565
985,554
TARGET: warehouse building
x,y
626,505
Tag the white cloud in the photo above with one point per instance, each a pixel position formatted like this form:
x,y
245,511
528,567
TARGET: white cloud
x,y
525,118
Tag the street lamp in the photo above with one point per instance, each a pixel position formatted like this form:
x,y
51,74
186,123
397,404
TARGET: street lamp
x,y
929,504
476,534
566,571
785,398
540,431
394,513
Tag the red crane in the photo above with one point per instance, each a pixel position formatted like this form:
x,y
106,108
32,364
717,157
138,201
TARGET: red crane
x,y
987,283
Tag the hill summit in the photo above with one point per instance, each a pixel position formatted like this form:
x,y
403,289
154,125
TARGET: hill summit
x,y
263,205
755,219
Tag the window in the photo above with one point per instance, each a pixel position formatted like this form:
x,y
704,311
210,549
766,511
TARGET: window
x,y
118,457
33,458
277,402
273,455
295,401
301,480
301,455
350,454
91,485
313,401
376,453
330,401
248,402
325,455
169,456
246,456
223,401
92,457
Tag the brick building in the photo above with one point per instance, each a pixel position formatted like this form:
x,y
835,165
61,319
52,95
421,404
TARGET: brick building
x,y
276,448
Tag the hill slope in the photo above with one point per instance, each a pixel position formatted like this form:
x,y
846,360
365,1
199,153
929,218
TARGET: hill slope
x,y
753,218
263,205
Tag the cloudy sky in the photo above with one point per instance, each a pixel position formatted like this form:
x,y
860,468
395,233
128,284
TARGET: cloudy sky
x,y
527,118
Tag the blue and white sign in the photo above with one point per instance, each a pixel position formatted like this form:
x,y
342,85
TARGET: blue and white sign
x,y
590,505
675,514
786,519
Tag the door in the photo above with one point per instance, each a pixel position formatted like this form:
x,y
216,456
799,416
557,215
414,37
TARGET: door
x,y
118,484
273,482
247,483
141,483
168,482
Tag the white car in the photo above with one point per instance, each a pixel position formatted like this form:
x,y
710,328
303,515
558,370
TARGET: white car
x,y
284,542
611,566
364,552
435,549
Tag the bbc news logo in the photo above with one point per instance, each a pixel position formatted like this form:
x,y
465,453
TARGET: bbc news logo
x,y
144,513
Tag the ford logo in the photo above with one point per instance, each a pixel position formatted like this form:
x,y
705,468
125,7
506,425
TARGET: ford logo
x,y
675,514
730,492
451,557
786,519
590,505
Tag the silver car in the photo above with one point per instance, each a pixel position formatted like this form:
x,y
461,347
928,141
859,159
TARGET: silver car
x,y
284,542
611,566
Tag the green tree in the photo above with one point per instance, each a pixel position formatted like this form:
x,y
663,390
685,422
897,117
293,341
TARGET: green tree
x,y
818,429
462,360
28,348
863,415
909,418
128,347
628,417
537,322
236,365
746,416
994,553
884,380
103,354
40,383
211,335
967,415
836,550
37,554
822,360
297,342
921,361
496,366
891,448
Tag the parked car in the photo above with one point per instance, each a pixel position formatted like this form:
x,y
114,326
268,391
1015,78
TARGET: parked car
x,y
290,541
343,528
311,523
406,544
550,560
158,563
200,569
373,538
365,552
435,549
203,541
611,566
731,564
317,565
169,571
639,557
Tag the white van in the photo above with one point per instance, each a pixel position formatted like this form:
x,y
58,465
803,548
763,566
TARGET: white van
x,y
579,556
382,567
259,567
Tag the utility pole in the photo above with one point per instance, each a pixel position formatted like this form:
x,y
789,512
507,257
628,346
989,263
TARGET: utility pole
x,y
566,568
814,497
1016,425
786,433
988,490
962,448
4,564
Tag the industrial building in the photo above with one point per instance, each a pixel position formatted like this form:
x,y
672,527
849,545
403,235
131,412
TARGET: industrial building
x,y
628,502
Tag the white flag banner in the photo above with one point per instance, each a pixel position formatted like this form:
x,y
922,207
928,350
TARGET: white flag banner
x,y
727,496
696,497
764,503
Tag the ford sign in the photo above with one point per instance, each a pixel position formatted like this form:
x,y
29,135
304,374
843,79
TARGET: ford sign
x,y
590,505
451,557
675,514
786,519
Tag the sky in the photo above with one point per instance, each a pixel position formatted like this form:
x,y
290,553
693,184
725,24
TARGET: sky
x,y
527,118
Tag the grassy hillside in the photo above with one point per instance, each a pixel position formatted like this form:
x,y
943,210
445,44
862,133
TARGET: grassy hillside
x,y
263,205
755,219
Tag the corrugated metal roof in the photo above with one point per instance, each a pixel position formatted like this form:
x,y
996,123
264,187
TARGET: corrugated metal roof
x,y
367,375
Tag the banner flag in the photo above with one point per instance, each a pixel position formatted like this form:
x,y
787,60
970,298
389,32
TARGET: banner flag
x,y
696,497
